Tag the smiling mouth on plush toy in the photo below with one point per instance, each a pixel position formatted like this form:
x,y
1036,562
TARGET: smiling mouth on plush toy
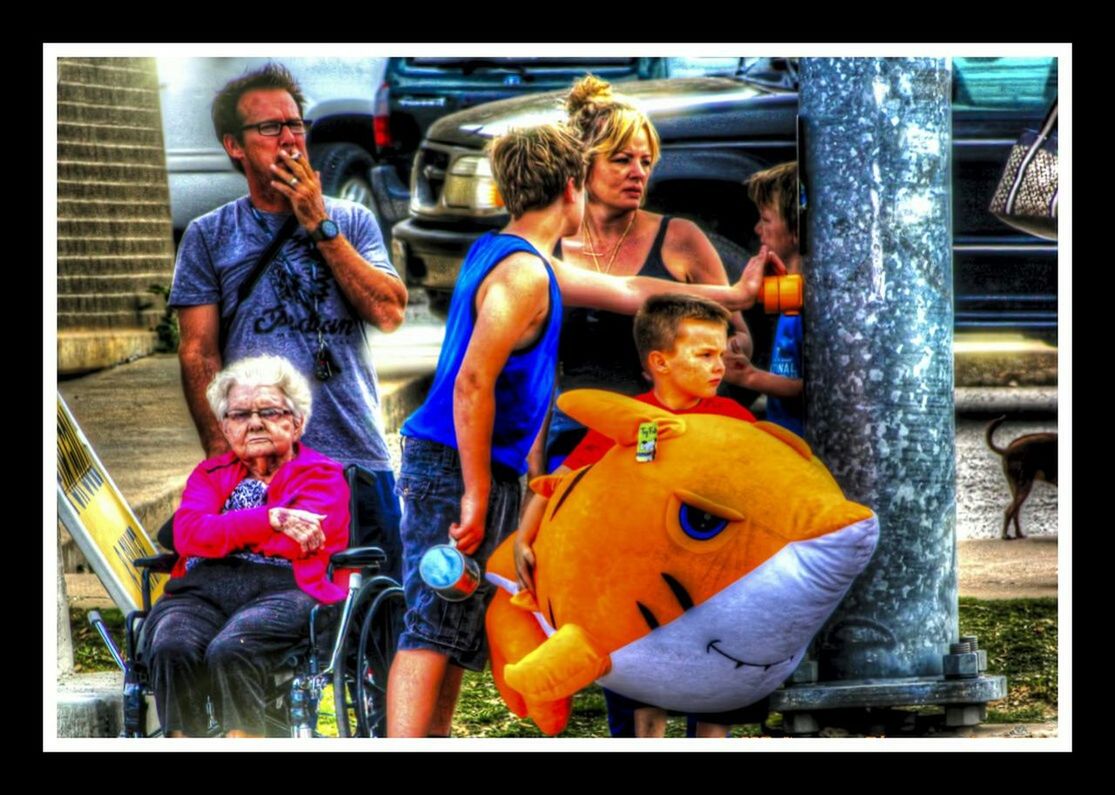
x,y
741,663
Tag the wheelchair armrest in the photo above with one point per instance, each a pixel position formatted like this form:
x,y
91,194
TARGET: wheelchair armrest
x,y
357,557
161,564
165,536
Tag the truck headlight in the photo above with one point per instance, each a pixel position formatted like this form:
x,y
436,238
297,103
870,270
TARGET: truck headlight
x,y
470,185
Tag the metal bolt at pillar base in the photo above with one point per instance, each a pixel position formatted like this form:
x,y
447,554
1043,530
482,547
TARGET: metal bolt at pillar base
x,y
799,724
965,714
961,662
879,373
981,654
805,673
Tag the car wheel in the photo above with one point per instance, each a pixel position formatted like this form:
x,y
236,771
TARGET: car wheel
x,y
344,172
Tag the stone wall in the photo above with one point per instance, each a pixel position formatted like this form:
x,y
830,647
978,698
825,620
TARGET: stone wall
x,y
114,230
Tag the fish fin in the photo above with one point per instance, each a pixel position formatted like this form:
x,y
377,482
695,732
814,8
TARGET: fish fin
x,y
617,416
512,634
568,661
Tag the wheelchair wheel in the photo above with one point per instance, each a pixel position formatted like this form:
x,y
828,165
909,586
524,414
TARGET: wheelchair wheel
x,y
379,637
360,682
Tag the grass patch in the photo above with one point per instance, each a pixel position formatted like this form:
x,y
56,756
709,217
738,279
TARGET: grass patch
x,y
90,652
1020,636
481,713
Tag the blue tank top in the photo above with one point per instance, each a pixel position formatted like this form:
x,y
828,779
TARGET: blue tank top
x,y
524,386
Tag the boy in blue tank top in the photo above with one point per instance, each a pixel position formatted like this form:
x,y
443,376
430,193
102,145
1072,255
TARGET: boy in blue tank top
x,y
465,448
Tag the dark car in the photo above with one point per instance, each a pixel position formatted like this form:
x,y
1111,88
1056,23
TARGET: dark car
x,y
715,133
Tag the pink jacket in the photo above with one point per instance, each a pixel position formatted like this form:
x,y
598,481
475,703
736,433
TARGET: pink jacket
x,y
310,481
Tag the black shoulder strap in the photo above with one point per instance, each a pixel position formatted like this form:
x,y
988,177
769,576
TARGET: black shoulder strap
x,y
660,238
246,286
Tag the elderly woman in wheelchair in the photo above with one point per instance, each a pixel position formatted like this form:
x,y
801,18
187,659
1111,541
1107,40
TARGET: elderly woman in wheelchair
x,y
255,532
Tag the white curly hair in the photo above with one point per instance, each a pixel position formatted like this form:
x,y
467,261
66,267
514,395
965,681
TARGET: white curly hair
x,y
262,371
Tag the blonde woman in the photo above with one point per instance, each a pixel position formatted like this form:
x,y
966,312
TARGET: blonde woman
x,y
618,237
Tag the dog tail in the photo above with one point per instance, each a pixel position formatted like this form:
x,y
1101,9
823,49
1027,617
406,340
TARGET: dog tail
x,y
995,423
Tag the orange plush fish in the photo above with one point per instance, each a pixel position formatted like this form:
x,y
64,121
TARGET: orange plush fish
x,y
693,581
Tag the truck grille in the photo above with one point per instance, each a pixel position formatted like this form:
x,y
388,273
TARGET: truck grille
x,y
430,168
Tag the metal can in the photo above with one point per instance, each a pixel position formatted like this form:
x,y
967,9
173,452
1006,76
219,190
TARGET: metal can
x,y
451,574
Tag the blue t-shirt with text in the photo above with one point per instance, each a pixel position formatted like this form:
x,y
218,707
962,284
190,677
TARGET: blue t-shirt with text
x,y
295,304
785,360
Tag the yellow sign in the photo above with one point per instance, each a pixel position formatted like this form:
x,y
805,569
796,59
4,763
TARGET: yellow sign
x,y
99,518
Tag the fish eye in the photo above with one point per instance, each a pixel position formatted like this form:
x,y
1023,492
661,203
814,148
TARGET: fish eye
x,y
699,524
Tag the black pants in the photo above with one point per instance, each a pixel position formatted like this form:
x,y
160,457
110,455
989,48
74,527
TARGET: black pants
x,y
220,631
377,520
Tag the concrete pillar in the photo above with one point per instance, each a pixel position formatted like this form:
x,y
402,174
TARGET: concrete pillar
x,y
878,347
879,386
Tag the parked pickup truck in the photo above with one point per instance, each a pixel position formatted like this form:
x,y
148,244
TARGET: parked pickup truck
x,y
716,132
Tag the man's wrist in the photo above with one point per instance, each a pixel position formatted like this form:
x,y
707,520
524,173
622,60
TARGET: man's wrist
x,y
324,230
478,490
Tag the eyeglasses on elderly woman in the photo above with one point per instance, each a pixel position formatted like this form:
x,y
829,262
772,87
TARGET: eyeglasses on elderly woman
x,y
267,415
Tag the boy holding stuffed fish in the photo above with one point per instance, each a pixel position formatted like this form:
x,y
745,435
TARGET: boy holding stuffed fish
x,y
682,342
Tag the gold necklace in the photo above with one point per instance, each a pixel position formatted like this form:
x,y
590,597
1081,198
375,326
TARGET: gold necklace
x,y
615,249
586,237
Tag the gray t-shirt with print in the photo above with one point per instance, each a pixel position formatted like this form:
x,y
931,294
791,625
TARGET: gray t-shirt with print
x,y
296,302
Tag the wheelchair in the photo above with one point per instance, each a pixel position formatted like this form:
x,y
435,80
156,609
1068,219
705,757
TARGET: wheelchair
x,y
349,646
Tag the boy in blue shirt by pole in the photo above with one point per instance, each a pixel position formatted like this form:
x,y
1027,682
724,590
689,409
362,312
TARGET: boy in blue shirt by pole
x,y
775,193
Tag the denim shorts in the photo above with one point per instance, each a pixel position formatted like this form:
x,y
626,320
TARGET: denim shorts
x,y
431,486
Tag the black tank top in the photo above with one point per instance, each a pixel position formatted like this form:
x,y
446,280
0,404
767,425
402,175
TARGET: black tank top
x,y
597,349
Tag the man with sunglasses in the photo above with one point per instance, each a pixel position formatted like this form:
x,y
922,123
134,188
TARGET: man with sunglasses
x,y
288,271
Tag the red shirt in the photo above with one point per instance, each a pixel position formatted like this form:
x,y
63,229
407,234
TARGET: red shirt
x,y
595,444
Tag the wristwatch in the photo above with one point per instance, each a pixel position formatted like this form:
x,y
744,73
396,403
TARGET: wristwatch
x,y
326,230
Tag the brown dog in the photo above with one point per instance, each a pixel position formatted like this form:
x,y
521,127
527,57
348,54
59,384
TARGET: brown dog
x,y
1026,459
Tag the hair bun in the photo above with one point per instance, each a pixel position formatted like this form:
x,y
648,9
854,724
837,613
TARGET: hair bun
x,y
586,91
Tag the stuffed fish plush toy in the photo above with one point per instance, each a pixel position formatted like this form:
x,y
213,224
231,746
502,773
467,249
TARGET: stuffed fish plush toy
x,y
693,581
